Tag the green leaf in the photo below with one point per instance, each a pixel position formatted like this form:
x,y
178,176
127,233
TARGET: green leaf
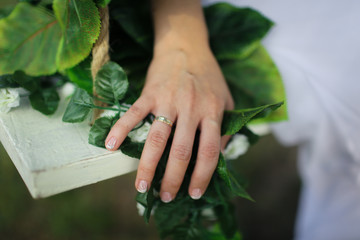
x,y
147,200
169,215
216,234
230,180
255,81
80,24
78,107
227,219
102,3
45,101
234,32
7,81
132,149
29,83
100,130
81,75
111,82
234,120
135,19
29,41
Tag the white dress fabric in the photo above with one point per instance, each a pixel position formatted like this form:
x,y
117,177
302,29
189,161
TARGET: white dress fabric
x,y
316,46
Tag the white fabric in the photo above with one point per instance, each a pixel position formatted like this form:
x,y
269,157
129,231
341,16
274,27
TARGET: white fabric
x,y
316,45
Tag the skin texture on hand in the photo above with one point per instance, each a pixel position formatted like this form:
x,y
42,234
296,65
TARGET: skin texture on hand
x,y
184,83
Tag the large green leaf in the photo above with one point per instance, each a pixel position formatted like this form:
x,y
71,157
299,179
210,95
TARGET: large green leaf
x,y
78,107
29,41
45,101
111,82
255,81
234,32
80,24
135,20
234,120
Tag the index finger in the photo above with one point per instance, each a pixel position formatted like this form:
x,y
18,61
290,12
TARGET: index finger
x,y
137,112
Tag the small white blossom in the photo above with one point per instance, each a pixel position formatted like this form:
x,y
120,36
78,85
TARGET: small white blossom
x,y
140,134
110,113
9,98
141,209
67,89
208,213
260,129
237,146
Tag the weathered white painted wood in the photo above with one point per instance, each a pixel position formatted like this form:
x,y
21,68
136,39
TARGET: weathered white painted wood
x,y
52,156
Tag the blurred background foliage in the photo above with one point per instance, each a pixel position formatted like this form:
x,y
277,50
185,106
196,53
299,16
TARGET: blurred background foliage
x,y
107,210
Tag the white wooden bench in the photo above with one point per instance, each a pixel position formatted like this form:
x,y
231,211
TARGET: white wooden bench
x,y
52,156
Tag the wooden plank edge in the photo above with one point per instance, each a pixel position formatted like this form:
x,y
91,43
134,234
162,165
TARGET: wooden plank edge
x,y
90,171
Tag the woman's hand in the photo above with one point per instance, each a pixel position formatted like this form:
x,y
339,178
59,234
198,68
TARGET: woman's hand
x,y
184,83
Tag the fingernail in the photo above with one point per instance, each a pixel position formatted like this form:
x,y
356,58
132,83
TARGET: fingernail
x,y
166,197
142,186
195,194
111,143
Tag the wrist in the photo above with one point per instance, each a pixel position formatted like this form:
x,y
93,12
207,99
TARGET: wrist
x,y
187,43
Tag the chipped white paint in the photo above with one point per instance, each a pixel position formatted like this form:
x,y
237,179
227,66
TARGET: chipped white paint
x,y
52,156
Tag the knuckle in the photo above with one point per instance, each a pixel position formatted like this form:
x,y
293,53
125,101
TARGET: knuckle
x,y
122,125
182,152
210,151
135,111
157,139
172,185
145,171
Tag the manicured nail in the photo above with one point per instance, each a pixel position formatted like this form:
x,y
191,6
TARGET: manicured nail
x,y
142,186
111,143
195,194
166,197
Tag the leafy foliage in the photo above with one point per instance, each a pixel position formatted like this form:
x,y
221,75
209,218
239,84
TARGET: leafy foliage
x,y
253,84
81,75
234,32
80,24
111,82
38,43
78,107
100,130
102,3
45,101
25,34
234,120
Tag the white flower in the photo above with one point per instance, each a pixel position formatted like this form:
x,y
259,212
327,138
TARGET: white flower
x,y
141,209
9,98
237,146
110,113
208,213
140,134
260,129
67,89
